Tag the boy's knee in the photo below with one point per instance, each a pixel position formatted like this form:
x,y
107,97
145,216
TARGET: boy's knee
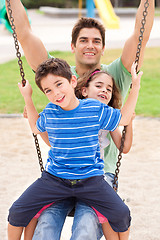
x,y
125,216
123,213
15,217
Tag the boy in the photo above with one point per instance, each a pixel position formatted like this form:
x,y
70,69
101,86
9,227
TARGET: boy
x,y
74,167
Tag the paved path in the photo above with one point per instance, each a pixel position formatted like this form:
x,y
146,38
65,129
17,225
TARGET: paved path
x,y
56,34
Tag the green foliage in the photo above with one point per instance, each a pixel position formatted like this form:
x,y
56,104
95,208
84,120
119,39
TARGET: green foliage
x,y
51,3
11,100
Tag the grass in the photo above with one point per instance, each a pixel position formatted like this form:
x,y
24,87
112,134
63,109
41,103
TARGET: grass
x,y
157,12
11,100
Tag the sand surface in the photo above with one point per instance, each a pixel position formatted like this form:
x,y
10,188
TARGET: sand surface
x,y
138,181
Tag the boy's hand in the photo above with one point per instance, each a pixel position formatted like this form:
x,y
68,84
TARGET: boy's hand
x,y
25,112
26,91
135,77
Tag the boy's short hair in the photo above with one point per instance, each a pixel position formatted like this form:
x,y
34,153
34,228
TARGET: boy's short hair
x,y
55,66
85,22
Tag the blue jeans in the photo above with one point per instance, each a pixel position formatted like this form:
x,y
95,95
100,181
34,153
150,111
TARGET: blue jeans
x,y
85,225
51,221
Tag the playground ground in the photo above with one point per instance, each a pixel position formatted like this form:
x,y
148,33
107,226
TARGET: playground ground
x,y
138,180
139,176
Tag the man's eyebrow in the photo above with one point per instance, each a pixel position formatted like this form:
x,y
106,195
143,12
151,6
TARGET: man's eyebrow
x,y
99,39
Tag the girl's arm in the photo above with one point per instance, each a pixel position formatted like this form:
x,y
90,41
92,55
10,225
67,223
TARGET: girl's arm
x,y
116,136
32,113
130,104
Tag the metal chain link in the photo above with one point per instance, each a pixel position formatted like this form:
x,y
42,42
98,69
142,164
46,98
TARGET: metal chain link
x,y
18,54
38,152
142,29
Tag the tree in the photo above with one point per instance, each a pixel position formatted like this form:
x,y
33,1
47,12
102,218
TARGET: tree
x,y
157,3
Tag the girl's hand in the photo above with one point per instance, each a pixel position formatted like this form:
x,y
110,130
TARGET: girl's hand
x,y
133,116
135,77
26,91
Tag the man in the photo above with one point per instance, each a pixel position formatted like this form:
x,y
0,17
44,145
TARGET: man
x,y
88,45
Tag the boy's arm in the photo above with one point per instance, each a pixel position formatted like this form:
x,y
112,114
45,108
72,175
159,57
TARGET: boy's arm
x,y
32,113
45,138
130,47
129,107
43,135
33,48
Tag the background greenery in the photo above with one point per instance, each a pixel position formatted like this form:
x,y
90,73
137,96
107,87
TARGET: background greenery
x,y
74,3
11,100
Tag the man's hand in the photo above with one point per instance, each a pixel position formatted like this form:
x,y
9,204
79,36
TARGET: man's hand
x,y
135,77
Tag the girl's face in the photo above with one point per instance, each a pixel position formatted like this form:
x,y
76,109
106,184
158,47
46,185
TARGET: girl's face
x,y
99,88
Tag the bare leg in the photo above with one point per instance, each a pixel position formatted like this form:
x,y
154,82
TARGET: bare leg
x,y
14,233
124,235
29,230
109,233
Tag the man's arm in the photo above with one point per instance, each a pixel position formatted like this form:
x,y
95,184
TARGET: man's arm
x,y
33,48
130,47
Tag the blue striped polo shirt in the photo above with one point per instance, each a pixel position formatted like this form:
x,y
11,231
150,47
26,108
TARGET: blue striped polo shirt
x,y
73,135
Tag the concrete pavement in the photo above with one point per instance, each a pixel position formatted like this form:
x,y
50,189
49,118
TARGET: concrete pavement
x,y
55,33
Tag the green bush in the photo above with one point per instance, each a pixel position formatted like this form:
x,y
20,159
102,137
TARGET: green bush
x,y
52,3
125,3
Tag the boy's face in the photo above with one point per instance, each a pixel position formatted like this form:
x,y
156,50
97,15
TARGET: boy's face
x,y
99,88
60,91
89,47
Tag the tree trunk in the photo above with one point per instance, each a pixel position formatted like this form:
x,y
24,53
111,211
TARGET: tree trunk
x,y
157,3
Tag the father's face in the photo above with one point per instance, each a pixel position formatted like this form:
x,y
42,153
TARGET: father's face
x,y
89,47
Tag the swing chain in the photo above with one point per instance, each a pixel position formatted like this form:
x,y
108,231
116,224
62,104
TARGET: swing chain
x,y
18,54
38,152
142,29
118,164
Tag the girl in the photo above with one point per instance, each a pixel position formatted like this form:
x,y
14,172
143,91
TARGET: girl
x,y
100,85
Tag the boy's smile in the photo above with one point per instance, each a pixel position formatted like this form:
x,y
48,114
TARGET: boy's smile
x,y
60,91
